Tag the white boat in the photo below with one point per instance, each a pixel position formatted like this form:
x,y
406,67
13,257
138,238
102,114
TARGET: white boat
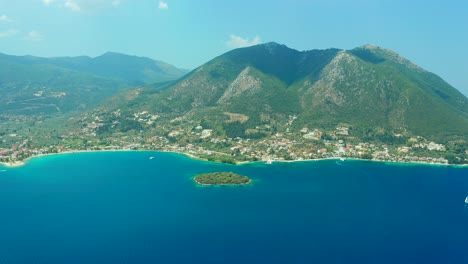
x,y
342,159
466,200
151,158
269,161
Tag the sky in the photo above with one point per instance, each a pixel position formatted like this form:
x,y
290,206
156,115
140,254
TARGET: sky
x,y
188,33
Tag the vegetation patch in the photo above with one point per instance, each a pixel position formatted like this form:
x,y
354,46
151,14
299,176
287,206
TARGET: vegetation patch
x,y
222,178
233,117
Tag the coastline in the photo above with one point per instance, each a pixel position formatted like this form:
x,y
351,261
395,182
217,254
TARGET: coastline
x,y
12,164
191,156
413,163
24,162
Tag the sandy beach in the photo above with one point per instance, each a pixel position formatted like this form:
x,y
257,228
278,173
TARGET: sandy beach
x,y
12,164
191,156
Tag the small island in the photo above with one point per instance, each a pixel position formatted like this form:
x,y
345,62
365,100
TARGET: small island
x,y
222,178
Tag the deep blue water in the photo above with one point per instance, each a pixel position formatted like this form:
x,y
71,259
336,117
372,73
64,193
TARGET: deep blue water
x,y
123,207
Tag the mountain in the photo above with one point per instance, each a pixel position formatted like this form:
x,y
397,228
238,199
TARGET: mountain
x,y
35,86
265,102
132,69
369,89
135,70
41,89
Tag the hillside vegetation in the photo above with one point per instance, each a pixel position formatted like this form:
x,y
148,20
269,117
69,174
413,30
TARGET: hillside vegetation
x,y
368,88
49,86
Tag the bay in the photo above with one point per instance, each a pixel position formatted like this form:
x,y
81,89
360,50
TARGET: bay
x,y
123,207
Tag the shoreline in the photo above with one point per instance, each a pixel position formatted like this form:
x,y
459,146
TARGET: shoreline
x,y
191,156
414,163
12,164
24,162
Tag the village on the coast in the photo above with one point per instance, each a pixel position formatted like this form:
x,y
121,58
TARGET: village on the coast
x,y
200,142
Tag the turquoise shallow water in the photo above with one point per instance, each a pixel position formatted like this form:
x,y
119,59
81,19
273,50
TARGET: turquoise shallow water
x,y
123,207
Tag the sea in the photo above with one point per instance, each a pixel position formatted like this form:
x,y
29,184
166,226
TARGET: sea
x,y
144,207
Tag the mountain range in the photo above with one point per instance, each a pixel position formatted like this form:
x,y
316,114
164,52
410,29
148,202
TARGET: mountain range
x,y
256,103
35,85
368,89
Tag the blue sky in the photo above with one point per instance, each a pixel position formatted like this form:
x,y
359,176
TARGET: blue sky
x,y
188,33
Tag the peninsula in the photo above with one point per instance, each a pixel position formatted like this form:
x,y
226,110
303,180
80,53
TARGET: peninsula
x,y
222,178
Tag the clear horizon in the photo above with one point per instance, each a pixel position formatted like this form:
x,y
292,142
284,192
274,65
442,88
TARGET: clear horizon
x,y
188,34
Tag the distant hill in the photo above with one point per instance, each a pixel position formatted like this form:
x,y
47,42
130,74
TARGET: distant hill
x,y
369,89
42,86
132,69
39,89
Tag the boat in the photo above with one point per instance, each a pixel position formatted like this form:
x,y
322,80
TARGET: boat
x,y
269,161
466,200
151,158
342,159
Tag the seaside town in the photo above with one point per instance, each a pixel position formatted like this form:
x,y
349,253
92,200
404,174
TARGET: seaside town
x,y
208,144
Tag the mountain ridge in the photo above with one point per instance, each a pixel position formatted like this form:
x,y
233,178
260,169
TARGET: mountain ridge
x,y
324,87
133,69
47,86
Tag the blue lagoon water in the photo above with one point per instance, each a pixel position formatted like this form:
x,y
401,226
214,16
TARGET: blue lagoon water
x,y
123,207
